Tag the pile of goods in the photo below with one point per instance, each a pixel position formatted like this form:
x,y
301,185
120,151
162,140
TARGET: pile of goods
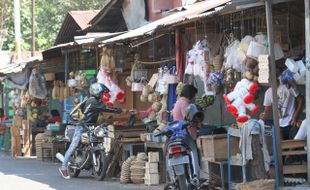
x,y
125,173
137,169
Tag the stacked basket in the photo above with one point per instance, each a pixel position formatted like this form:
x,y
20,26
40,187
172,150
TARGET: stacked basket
x,y
125,173
137,168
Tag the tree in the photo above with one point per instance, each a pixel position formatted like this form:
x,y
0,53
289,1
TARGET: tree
x,y
49,17
5,11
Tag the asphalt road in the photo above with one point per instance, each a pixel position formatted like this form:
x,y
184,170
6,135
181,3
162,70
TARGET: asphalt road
x,y
31,174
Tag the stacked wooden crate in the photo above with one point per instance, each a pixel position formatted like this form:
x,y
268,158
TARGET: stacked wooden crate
x,y
119,132
151,176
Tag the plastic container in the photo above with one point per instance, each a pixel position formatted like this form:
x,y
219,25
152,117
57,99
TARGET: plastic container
x,y
291,65
53,127
255,49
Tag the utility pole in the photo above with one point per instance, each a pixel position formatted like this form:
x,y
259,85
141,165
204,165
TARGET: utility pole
x,y
17,30
33,39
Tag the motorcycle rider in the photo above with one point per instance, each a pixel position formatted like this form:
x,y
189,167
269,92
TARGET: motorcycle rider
x,y
92,107
195,116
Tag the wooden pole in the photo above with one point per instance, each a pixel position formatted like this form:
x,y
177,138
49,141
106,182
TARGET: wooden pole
x,y
274,87
307,33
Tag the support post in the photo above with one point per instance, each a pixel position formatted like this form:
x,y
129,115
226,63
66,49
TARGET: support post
x,y
274,86
307,87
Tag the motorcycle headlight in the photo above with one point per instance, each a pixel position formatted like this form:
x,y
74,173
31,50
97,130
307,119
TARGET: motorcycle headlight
x,y
99,132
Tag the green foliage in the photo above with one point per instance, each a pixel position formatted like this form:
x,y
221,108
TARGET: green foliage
x,y
49,17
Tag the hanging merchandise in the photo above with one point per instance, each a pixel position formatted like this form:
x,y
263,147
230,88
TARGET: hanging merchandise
x,y
61,91
240,99
162,85
172,98
231,77
218,62
104,77
37,87
145,93
25,99
198,62
298,69
55,91
244,46
231,56
215,83
72,82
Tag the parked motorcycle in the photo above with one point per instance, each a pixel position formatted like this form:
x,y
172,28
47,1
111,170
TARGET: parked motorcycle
x,y
179,158
90,153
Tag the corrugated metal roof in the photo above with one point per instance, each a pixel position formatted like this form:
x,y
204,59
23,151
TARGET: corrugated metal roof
x,y
191,10
17,67
73,25
82,18
194,17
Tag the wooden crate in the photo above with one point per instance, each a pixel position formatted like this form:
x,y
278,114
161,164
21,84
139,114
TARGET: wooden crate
x,y
151,179
124,131
153,156
214,147
151,167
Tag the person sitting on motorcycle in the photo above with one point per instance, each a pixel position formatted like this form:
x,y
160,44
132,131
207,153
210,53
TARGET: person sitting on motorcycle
x,y
92,108
187,96
195,116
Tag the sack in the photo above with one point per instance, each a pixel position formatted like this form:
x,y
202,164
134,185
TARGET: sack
x,y
37,86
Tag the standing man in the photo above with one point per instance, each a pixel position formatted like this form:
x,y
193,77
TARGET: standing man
x,y
290,103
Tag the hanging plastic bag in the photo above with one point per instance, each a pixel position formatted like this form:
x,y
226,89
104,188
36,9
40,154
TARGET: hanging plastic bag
x,y
232,59
37,86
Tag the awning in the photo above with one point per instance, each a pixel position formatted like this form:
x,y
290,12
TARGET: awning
x,y
16,67
148,29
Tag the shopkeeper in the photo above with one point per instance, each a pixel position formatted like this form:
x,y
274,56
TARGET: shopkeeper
x,y
290,104
55,117
2,128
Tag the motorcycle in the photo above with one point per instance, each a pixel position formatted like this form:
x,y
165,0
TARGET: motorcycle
x,y
90,153
179,158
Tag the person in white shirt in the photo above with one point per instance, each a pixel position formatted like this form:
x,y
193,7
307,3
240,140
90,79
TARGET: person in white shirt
x,y
290,103
302,131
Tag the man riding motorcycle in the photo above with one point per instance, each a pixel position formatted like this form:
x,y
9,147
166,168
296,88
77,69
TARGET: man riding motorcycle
x,y
92,107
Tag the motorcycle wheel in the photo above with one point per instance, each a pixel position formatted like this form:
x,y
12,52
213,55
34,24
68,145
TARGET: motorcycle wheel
x,y
102,165
182,182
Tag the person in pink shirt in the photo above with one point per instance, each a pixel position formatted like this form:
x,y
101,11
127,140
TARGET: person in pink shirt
x,y
187,97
